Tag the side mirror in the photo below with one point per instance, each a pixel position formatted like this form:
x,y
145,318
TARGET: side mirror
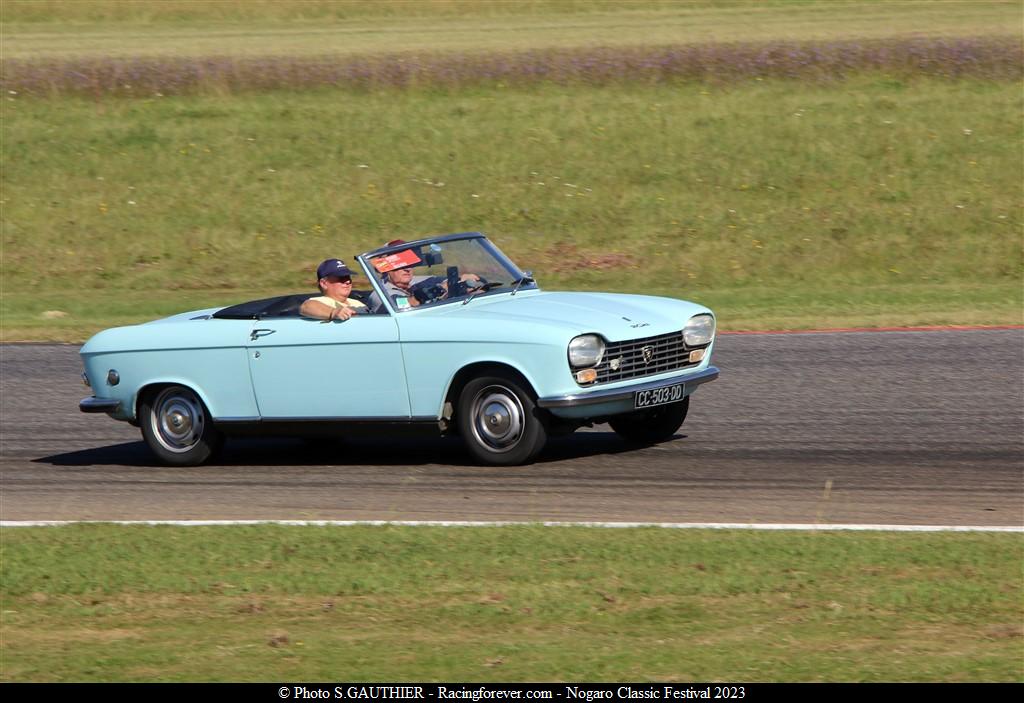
x,y
434,256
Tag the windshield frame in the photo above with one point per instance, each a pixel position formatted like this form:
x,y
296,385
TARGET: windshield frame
x,y
489,246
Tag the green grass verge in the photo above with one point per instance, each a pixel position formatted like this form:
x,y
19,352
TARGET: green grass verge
x,y
54,317
267,603
33,29
799,206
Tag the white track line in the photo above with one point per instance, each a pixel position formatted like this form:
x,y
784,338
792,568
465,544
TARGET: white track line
x,y
472,523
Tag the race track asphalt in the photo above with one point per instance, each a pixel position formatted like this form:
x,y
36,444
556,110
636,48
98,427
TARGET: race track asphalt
x,y
912,428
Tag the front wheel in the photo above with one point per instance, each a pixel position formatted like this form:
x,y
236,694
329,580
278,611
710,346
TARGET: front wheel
x,y
499,422
653,425
177,426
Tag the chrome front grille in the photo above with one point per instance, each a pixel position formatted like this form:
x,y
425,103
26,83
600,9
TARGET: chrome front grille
x,y
644,357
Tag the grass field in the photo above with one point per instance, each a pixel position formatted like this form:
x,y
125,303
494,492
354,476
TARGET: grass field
x,y
846,198
266,603
866,201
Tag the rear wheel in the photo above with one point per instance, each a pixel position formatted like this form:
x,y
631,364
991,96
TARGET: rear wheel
x,y
177,426
652,425
499,421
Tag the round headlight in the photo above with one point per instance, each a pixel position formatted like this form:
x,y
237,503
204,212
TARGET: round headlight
x,y
699,330
586,350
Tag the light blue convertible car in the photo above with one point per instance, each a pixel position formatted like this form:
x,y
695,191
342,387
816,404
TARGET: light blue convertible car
x,y
489,356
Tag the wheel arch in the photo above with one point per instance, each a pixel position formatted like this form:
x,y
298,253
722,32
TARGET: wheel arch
x,y
154,386
474,370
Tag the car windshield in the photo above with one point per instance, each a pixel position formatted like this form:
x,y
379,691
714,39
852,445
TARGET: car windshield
x,y
443,271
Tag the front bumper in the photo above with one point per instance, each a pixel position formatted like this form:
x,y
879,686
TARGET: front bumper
x,y
615,395
92,404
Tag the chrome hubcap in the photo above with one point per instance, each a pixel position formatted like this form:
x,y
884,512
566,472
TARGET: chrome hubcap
x,y
177,419
497,418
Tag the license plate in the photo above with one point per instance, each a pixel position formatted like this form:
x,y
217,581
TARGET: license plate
x,y
659,396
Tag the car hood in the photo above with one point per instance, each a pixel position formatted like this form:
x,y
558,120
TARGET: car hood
x,y
616,316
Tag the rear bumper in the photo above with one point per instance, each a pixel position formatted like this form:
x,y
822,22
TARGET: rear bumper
x,y
614,395
92,404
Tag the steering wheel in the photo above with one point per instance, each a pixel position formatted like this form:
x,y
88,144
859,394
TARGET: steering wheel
x,y
483,285
429,290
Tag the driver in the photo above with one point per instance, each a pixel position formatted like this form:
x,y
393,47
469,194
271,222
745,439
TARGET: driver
x,y
334,279
398,284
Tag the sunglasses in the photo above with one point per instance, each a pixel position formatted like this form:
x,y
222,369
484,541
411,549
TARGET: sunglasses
x,y
346,279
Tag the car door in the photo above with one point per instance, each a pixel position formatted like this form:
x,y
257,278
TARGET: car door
x,y
335,370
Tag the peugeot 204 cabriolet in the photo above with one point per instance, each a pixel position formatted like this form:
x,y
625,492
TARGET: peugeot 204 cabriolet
x,y
474,348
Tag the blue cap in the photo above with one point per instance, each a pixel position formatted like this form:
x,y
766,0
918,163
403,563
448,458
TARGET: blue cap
x,y
332,267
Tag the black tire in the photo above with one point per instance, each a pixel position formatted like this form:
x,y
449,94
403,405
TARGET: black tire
x,y
499,421
177,426
653,425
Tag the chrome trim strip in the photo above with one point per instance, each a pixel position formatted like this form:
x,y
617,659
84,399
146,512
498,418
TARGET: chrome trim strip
x,y
614,394
405,418
92,404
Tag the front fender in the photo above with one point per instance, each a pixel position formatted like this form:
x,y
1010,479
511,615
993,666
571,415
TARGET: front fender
x,y
431,372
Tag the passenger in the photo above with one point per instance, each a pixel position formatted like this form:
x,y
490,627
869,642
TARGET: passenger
x,y
335,282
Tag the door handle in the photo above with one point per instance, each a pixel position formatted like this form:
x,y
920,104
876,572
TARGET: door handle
x,y
256,334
